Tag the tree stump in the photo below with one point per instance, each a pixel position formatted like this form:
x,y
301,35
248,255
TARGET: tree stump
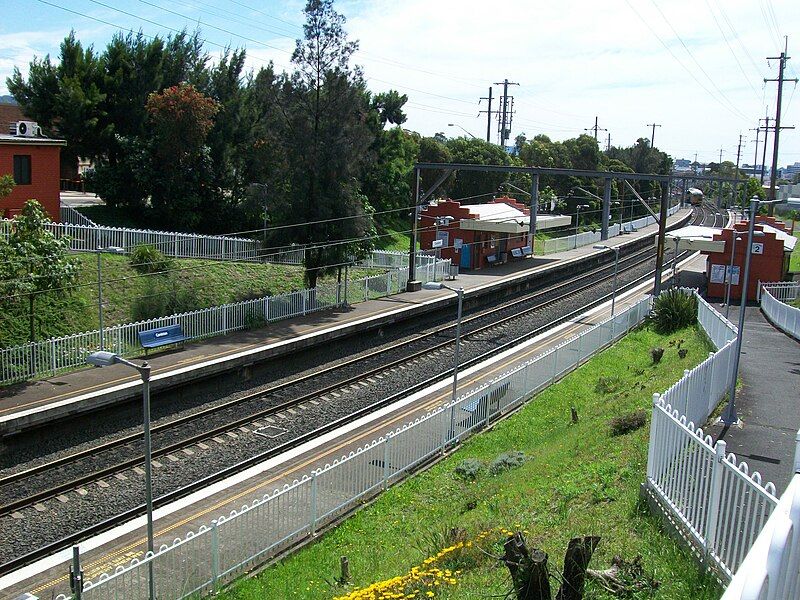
x,y
528,569
576,561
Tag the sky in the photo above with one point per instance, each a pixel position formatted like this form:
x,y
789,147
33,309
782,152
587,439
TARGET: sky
x,y
694,67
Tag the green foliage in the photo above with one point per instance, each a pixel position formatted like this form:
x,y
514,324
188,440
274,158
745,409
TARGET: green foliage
x,y
469,469
628,422
6,185
506,461
164,295
608,384
656,354
148,259
673,310
33,261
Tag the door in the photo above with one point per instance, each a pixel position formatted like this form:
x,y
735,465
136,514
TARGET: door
x,y
465,262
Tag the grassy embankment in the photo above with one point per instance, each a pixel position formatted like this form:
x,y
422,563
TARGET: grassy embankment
x,y
576,480
202,283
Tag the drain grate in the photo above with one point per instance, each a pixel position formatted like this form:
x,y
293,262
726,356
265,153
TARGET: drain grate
x,y
270,431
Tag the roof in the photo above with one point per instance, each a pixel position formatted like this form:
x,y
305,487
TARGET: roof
x,y
17,140
697,237
788,239
504,218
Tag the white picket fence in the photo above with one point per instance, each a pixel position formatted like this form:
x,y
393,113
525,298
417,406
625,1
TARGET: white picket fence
x,y
74,217
569,242
716,504
773,298
201,562
771,570
55,355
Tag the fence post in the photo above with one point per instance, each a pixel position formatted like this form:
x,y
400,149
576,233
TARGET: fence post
x,y
214,556
314,503
651,449
76,574
386,441
797,452
53,356
714,497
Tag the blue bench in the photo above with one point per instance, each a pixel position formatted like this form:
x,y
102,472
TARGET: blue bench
x,y
162,336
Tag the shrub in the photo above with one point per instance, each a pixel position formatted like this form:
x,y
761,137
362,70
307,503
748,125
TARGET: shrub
x,y
506,461
164,296
607,385
469,469
628,422
148,259
673,310
656,354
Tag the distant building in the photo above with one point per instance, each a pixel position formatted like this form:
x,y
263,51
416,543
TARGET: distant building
x,y
786,191
34,162
682,165
753,170
789,172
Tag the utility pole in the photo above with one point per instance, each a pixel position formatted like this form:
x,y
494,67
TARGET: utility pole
x,y
506,110
653,134
783,59
755,152
720,157
766,136
595,129
489,112
736,172
608,144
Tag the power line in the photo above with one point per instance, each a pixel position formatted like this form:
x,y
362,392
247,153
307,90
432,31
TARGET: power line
x,y
506,112
727,43
596,128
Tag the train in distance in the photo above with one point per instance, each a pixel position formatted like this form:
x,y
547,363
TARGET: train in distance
x,y
695,196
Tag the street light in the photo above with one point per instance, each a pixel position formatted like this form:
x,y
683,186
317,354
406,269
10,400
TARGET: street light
x,y
616,265
675,262
578,208
462,129
438,285
729,416
106,359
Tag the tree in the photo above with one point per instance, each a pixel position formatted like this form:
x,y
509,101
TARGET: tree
x,y
6,185
33,261
477,152
326,138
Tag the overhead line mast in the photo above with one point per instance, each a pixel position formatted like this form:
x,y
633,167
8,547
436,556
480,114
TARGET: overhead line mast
x,y
506,111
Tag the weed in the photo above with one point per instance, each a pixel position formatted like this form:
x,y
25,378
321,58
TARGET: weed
x,y
673,310
628,422
469,469
506,461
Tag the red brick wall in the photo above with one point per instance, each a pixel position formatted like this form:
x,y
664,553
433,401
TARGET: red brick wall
x,y
45,184
768,266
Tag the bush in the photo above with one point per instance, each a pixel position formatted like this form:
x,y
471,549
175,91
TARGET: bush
x,y
506,461
469,469
673,310
164,296
656,354
607,385
628,422
148,259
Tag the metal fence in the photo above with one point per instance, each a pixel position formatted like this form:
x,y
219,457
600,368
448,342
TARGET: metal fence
x,y
592,237
74,217
716,504
771,570
773,304
201,562
52,356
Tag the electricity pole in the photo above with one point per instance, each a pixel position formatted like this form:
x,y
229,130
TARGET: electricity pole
x,y
653,134
774,173
595,129
608,144
736,172
506,110
489,112
755,153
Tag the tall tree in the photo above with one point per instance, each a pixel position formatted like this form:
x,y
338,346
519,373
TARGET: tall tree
x,y
326,137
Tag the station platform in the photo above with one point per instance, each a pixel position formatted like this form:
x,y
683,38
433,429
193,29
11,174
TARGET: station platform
x,y
37,403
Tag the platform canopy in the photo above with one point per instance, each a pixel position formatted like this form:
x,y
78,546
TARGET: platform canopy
x,y
789,241
696,237
504,218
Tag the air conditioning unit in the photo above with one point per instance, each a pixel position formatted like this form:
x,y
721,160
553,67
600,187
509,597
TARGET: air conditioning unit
x,y
27,128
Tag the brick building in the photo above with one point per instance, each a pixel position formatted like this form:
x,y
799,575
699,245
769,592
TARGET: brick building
x,y
34,163
475,236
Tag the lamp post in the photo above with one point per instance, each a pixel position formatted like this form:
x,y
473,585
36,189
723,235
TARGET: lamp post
x,y
729,416
616,266
106,359
100,295
462,129
578,208
438,285
675,262
729,278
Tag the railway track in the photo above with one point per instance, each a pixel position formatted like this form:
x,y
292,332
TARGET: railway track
x,y
47,481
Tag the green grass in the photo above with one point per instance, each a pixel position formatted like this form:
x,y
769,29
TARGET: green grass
x,y
578,480
212,282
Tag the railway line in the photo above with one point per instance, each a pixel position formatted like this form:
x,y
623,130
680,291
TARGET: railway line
x,y
282,416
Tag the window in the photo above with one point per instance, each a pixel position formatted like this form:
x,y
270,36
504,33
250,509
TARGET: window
x,y
22,169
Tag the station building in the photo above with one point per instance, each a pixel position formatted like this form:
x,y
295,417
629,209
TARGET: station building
x,y
34,162
476,236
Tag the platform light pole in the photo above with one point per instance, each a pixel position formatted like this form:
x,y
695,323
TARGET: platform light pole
x,y
578,208
729,416
106,359
616,267
675,262
438,285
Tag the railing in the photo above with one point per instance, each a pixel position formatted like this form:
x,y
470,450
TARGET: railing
x,y
771,570
716,504
55,355
773,304
73,217
201,562
569,242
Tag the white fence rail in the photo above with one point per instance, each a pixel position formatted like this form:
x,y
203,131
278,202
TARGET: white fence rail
x,y
771,570
592,237
203,561
55,355
773,303
718,505
74,217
